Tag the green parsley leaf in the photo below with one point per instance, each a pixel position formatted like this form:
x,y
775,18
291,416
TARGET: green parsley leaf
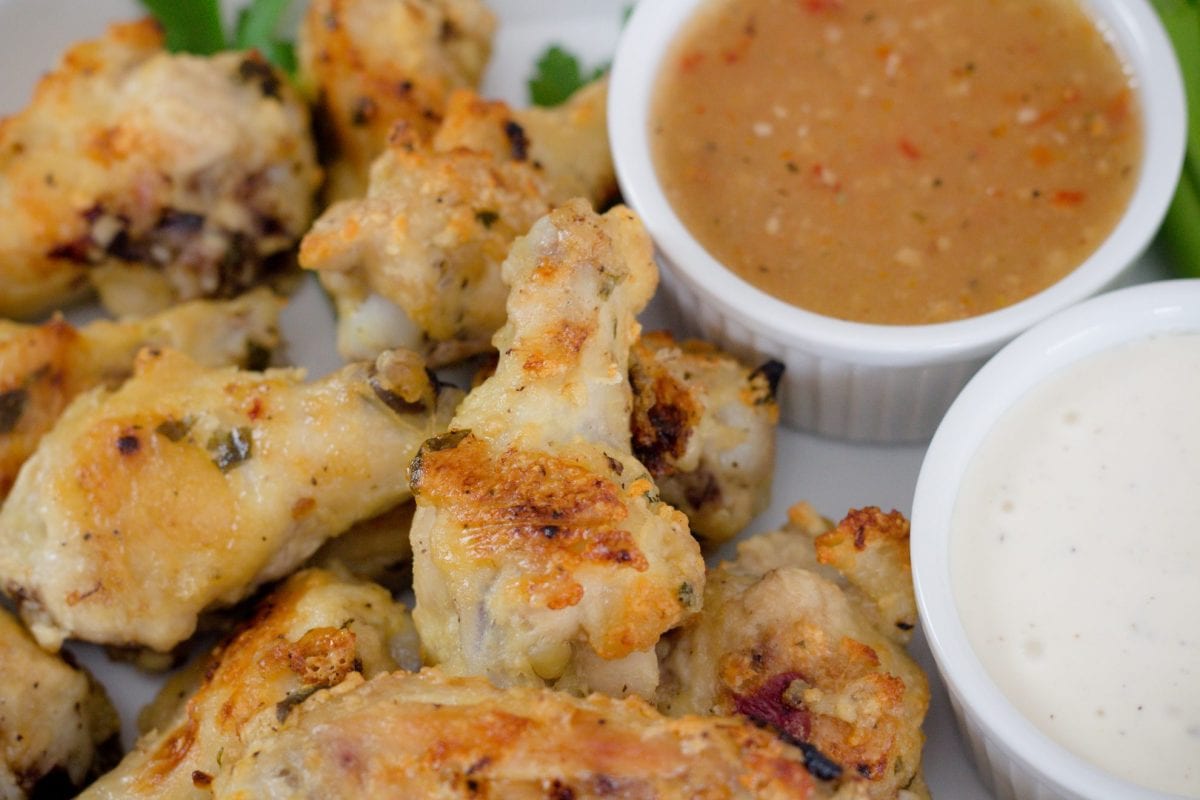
x,y
557,76
1180,232
194,26
191,26
257,27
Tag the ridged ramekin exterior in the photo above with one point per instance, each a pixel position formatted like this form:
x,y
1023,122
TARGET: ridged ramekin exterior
x,y
825,395
856,381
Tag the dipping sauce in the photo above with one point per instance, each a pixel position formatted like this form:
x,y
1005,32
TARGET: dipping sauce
x,y
1075,559
904,162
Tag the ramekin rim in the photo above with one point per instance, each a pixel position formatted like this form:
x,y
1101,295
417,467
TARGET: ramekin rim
x,y
1092,326
1147,50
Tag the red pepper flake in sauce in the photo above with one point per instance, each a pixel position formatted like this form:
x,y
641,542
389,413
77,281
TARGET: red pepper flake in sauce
x,y
1067,198
864,115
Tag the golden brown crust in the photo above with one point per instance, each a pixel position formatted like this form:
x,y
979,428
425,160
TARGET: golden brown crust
x,y
541,549
56,723
782,644
156,177
43,367
429,736
370,64
187,487
704,425
870,548
312,632
416,263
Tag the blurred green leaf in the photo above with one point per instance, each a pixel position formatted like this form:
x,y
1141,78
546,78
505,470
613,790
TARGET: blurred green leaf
x,y
189,26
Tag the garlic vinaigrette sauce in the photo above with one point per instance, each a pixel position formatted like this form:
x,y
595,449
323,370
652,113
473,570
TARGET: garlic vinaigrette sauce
x,y
901,162
1075,559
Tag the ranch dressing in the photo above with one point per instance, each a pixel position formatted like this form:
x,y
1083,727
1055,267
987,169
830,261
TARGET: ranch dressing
x,y
1075,554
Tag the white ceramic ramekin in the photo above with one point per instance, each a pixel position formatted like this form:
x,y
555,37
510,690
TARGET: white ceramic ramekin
x,y
856,381
1015,757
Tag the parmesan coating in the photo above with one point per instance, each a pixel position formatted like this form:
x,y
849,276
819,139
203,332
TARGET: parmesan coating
x,y
154,177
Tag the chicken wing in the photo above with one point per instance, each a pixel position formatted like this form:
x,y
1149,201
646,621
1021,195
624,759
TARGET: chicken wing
x,y
310,633
416,263
785,646
156,177
188,487
429,736
542,551
43,367
369,64
704,425
57,726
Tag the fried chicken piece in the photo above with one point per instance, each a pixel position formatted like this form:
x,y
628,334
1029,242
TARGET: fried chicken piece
x,y
156,177
188,487
43,367
542,551
704,425
372,63
416,263
310,633
866,555
377,549
781,644
425,735
57,726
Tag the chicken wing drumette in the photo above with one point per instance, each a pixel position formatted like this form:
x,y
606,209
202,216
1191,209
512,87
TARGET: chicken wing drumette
x,y
542,551
43,367
310,633
56,723
156,177
416,263
426,735
188,487
704,424
790,643
370,64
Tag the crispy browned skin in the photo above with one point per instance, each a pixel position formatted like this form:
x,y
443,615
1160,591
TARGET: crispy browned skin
x,y
157,177
310,633
541,549
370,64
866,554
188,487
428,736
788,648
55,721
43,367
416,263
704,425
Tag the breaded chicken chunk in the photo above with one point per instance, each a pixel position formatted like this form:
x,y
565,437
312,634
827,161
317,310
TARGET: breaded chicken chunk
x,y
542,551
188,487
57,727
787,647
43,367
428,736
704,425
370,64
310,633
155,177
416,263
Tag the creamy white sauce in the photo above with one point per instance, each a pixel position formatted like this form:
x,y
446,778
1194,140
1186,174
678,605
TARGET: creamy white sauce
x,y
1075,555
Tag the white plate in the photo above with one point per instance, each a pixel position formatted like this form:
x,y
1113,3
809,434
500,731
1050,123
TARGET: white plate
x,y
832,475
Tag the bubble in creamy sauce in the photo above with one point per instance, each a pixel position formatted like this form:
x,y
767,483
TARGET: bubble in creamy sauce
x,y
1075,556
